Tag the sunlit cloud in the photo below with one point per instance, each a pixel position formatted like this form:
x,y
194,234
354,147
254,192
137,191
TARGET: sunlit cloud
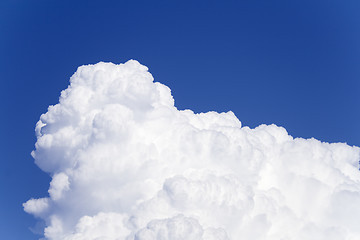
x,y
127,164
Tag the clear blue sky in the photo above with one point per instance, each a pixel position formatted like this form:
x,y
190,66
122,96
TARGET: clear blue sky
x,y
292,63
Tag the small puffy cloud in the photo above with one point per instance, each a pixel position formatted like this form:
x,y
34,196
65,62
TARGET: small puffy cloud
x,y
127,164
36,206
58,185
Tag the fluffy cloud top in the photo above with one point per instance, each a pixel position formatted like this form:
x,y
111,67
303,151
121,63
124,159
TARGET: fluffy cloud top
x,y
127,164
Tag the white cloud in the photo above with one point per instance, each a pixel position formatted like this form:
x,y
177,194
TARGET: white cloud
x,y
126,164
58,185
178,228
36,206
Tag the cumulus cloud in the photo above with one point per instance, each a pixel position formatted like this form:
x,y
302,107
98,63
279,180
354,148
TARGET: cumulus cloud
x,y
127,164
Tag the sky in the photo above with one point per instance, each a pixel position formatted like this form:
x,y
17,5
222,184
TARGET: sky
x,y
294,64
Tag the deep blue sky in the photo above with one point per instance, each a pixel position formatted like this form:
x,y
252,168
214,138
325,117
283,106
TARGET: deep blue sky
x,y
292,63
